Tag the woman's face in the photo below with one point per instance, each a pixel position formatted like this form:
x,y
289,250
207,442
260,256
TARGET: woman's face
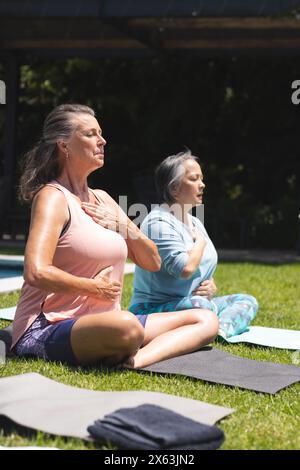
x,y
190,190
86,145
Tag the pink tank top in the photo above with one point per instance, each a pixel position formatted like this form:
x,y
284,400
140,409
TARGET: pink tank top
x,y
84,249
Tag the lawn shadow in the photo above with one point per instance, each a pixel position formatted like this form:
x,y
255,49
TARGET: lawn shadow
x,y
9,428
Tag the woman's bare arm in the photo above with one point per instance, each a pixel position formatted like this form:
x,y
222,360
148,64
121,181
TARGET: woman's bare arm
x,y
141,250
49,215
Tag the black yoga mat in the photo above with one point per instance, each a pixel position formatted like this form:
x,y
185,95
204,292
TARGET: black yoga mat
x,y
214,365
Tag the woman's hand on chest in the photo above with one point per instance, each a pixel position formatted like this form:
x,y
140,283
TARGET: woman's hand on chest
x,y
107,217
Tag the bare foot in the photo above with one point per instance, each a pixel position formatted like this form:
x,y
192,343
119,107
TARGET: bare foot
x,y
129,363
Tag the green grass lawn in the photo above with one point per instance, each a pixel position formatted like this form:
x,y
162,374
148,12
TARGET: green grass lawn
x,y
12,250
260,421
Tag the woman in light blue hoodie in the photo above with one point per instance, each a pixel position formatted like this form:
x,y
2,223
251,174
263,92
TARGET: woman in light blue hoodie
x,y
177,304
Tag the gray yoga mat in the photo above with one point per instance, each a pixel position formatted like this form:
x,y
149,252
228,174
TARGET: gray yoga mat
x,y
37,402
271,337
214,365
7,313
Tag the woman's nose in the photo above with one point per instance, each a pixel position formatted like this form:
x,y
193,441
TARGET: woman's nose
x,y
102,140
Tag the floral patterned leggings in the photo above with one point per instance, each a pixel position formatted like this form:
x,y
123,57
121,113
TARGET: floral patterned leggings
x,y
235,312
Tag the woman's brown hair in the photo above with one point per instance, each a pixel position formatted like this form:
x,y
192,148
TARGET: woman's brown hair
x,y
41,162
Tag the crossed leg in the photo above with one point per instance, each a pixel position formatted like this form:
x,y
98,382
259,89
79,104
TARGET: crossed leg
x,y
108,337
170,334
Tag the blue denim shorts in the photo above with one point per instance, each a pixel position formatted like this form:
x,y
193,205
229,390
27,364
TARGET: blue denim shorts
x,y
50,341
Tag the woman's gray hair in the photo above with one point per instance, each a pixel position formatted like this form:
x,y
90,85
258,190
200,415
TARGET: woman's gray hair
x,y
41,162
169,174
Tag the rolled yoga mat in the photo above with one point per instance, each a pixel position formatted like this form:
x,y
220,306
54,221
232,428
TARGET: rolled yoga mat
x,y
270,337
214,365
37,402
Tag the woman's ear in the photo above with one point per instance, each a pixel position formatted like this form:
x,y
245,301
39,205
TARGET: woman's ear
x,y
62,146
175,192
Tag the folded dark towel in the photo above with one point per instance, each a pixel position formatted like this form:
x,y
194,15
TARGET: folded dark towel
x,y
153,427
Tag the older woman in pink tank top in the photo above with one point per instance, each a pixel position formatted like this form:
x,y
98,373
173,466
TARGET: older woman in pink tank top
x,y
69,309
79,239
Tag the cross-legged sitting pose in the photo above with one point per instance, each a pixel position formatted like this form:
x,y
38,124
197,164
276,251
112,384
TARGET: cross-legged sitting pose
x,y
69,309
177,303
